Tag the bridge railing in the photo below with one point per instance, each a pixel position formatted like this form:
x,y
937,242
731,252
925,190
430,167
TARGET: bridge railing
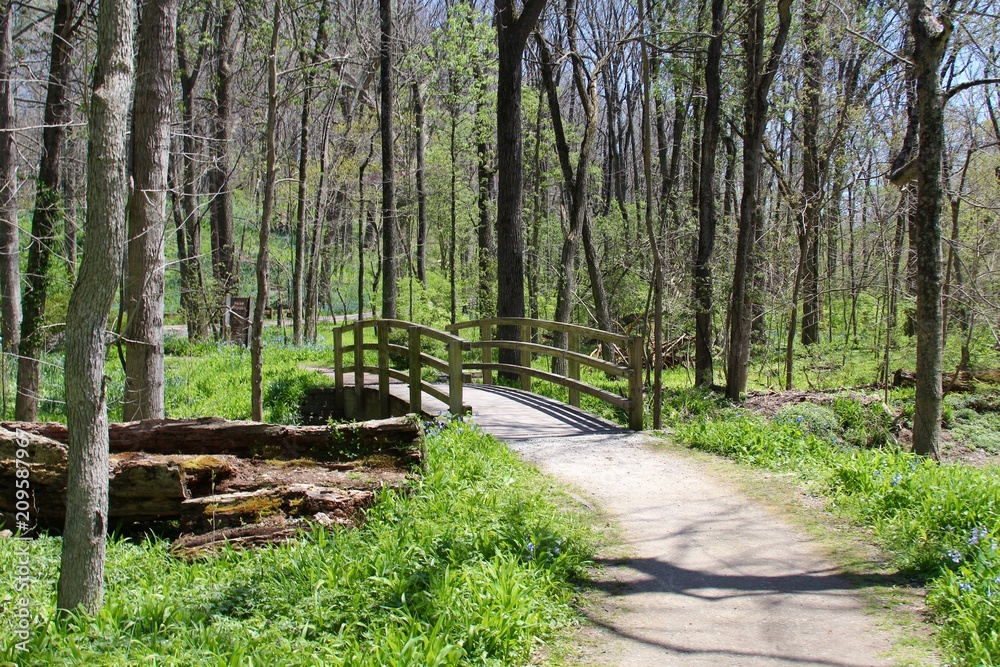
x,y
412,351
487,343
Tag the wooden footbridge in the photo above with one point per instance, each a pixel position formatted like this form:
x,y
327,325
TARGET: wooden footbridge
x,y
398,361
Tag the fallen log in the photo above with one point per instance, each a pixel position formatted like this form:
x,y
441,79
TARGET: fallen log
x,y
397,436
226,510
963,381
239,537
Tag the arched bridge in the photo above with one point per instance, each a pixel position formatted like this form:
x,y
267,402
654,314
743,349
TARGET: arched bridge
x,y
398,360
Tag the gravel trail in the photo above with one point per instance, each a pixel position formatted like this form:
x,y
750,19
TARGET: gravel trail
x,y
710,577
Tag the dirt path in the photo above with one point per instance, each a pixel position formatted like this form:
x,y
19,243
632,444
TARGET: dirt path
x,y
710,578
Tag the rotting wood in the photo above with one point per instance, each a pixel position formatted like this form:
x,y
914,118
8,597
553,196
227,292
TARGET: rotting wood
x,y
965,381
213,436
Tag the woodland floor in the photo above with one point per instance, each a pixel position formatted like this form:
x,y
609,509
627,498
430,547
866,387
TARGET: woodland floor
x,y
701,575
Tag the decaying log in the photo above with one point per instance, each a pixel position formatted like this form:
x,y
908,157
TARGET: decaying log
x,y
339,506
964,381
214,436
240,537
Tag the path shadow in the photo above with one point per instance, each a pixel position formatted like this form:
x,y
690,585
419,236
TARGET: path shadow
x,y
583,422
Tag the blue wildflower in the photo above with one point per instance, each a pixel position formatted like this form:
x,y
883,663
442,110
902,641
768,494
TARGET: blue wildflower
x,y
897,478
965,586
955,556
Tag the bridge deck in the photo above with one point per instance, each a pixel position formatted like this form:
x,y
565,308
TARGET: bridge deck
x,y
510,414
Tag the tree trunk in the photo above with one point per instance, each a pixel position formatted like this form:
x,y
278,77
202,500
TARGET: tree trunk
x,y
704,372
512,35
263,254
484,228
147,211
930,38
812,186
223,242
759,76
418,113
46,212
389,230
81,575
316,242
10,249
189,227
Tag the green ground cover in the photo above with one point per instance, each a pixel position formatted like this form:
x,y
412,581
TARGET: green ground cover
x,y
470,566
940,522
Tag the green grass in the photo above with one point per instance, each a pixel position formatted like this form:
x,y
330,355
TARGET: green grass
x,y
471,566
939,522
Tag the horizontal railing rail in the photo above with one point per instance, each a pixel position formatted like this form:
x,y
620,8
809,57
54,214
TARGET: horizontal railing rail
x,y
415,355
632,404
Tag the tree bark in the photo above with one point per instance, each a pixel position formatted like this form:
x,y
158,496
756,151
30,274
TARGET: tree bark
x,y
223,241
759,76
147,211
389,227
512,35
81,575
930,38
46,212
418,113
10,249
704,372
263,253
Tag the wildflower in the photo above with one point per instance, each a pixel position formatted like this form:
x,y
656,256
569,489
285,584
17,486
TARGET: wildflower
x,y
897,478
965,586
993,545
977,534
531,549
955,556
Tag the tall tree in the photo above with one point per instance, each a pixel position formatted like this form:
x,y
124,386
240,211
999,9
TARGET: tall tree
x,y
147,215
187,216
47,207
421,147
389,227
930,38
512,35
263,252
221,206
704,371
81,575
10,264
759,75
308,60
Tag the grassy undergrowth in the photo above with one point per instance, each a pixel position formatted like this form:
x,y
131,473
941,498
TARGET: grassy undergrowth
x,y
471,567
939,522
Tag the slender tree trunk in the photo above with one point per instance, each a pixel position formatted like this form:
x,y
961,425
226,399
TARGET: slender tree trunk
x,y
418,113
512,35
263,254
389,226
704,372
147,211
759,76
189,231
930,37
484,228
812,185
46,213
10,264
223,241
316,242
654,246
81,575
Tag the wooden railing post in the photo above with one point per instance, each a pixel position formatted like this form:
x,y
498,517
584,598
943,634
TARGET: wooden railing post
x,y
359,369
486,335
635,408
416,391
382,328
455,404
525,357
573,368
338,358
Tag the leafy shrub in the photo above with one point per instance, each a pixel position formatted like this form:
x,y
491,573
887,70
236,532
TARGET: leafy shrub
x,y
864,425
810,418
